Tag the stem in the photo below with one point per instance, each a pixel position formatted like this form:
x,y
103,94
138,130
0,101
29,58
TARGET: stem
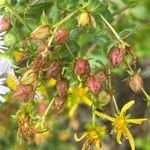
x,y
127,64
69,50
145,93
68,17
65,19
110,87
17,16
47,110
111,28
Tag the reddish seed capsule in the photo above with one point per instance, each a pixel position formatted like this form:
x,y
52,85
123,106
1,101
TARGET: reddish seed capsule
x,y
61,36
24,93
41,47
136,83
59,102
4,24
62,87
54,70
82,67
42,107
94,84
116,56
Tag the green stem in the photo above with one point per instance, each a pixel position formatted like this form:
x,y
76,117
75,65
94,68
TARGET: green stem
x,y
111,28
65,19
17,16
68,17
69,50
47,110
110,87
145,93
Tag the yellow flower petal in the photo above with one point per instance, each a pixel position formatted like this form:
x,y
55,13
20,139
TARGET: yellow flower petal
x,y
136,121
130,138
72,110
12,82
104,116
87,101
78,139
119,134
126,107
98,143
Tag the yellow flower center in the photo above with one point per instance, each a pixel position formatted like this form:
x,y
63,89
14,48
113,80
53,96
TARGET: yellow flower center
x,y
11,82
80,92
120,124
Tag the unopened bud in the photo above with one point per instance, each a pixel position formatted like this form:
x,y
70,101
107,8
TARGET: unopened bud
x,y
136,83
83,19
116,56
61,36
59,103
94,84
54,70
62,87
24,93
4,24
82,67
42,32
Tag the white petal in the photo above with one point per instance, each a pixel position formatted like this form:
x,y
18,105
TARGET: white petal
x,y
1,51
2,99
2,33
4,89
2,43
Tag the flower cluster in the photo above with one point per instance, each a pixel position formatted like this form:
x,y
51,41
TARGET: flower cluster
x,y
46,72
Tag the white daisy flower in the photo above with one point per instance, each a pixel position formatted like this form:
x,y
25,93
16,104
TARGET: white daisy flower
x,y
4,30
6,69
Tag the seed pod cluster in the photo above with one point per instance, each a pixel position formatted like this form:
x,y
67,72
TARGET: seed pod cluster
x,y
4,24
24,93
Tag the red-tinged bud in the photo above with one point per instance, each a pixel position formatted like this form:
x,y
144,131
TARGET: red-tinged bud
x,y
82,67
102,75
24,93
4,24
39,62
94,84
61,36
54,70
136,83
40,33
116,56
42,47
62,87
42,107
59,103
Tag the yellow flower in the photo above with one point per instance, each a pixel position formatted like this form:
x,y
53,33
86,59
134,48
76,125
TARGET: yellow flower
x,y
92,136
77,95
12,82
18,55
51,83
121,123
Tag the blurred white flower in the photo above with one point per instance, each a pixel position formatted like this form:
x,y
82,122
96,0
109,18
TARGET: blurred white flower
x,y
6,69
2,43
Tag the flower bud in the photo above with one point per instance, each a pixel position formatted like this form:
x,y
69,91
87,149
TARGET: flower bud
x,y
136,83
83,19
61,36
116,56
94,84
54,70
40,33
42,107
102,75
62,87
24,93
4,24
82,67
10,39
59,102
103,98
29,77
